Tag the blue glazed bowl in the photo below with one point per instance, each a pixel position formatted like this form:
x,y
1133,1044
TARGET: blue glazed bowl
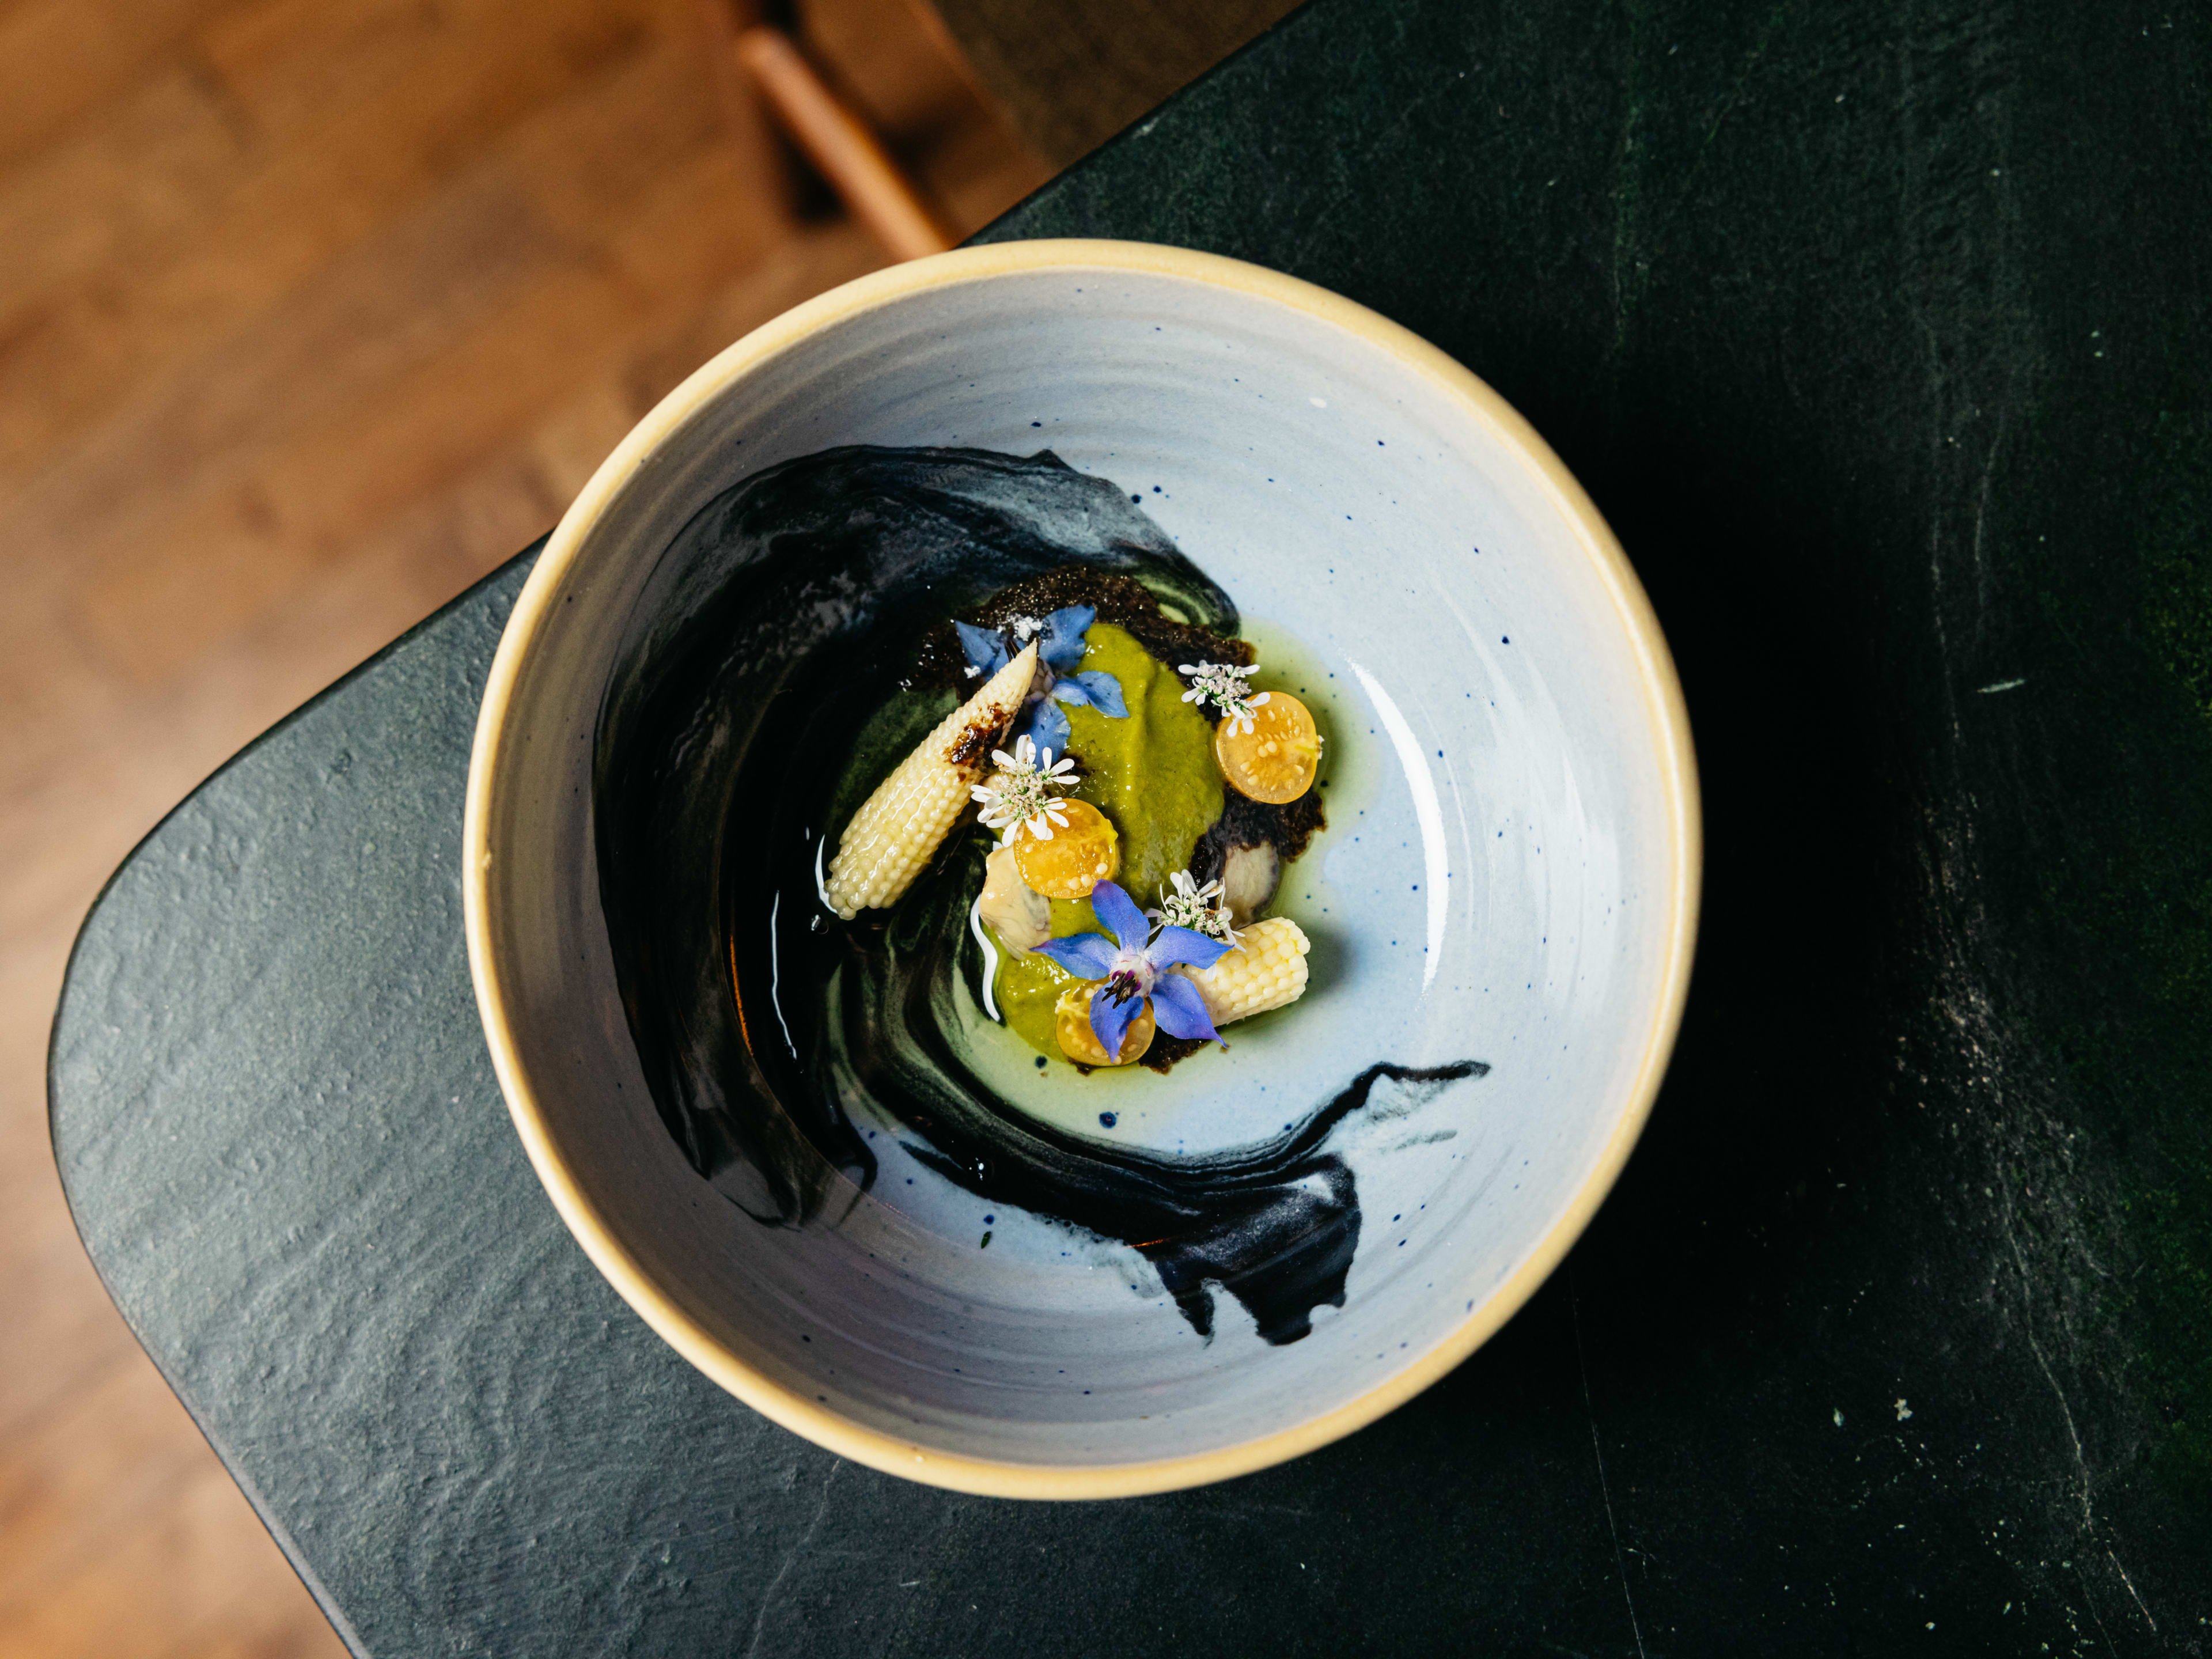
x,y
1502,908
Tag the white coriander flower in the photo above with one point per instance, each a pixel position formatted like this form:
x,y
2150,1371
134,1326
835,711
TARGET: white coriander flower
x,y
1019,796
1222,685
1199,908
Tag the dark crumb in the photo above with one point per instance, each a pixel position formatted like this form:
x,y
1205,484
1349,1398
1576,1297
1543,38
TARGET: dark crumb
x,y
1247,823
1118,599
1166,1050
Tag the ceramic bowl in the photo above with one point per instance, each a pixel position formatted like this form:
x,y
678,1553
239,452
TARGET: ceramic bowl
x,y
1503,907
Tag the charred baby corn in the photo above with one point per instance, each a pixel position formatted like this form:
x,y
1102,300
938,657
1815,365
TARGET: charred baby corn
x,y
900,827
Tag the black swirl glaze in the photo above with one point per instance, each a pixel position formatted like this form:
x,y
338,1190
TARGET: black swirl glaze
x,y
780,621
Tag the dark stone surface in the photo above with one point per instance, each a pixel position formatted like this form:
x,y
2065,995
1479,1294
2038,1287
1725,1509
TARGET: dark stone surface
x,y
1883,336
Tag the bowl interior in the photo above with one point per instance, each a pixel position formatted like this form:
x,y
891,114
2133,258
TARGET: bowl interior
x,y
1500,907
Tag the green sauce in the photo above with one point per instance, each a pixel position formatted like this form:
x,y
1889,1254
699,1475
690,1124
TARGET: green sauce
x,y
1029,985
1153,775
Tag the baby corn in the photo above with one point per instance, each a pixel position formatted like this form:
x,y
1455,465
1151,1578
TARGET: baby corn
x,y
899,828
1269,971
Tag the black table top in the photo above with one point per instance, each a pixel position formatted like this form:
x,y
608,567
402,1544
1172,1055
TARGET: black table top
x,y
1883,335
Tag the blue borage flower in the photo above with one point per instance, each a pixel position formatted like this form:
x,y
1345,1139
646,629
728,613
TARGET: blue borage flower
x,y
1060,648
1134,969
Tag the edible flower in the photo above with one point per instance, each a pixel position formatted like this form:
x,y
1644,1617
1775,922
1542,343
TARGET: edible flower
x,y
1133,965
1199,908
1223,685
1019,793
1059,648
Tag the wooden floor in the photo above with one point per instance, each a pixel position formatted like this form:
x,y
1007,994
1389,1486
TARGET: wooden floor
x,y
310,313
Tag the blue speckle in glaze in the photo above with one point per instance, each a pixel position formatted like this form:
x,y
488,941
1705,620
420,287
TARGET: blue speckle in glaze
x,y
1108,1119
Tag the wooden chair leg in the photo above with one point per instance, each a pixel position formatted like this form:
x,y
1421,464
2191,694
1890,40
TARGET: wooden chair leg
x,y
763,68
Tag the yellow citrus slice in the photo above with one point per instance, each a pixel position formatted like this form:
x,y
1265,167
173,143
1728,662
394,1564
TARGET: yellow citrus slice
x,y
1076,859
1278,759
1071,1019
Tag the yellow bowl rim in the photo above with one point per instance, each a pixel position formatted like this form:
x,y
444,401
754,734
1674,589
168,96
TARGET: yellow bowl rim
x,y
1664,706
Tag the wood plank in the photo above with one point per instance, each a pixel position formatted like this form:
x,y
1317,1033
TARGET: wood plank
x,y
311,312
430,265
239,541
439,333
99,1458
50,686
176,291
146,170
313,497
69,1334
61,59
222,1587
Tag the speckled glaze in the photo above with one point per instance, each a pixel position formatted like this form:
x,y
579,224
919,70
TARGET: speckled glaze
x,y
1509,876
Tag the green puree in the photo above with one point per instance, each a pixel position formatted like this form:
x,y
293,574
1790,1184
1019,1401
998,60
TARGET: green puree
x,y
1029,985
1154,777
